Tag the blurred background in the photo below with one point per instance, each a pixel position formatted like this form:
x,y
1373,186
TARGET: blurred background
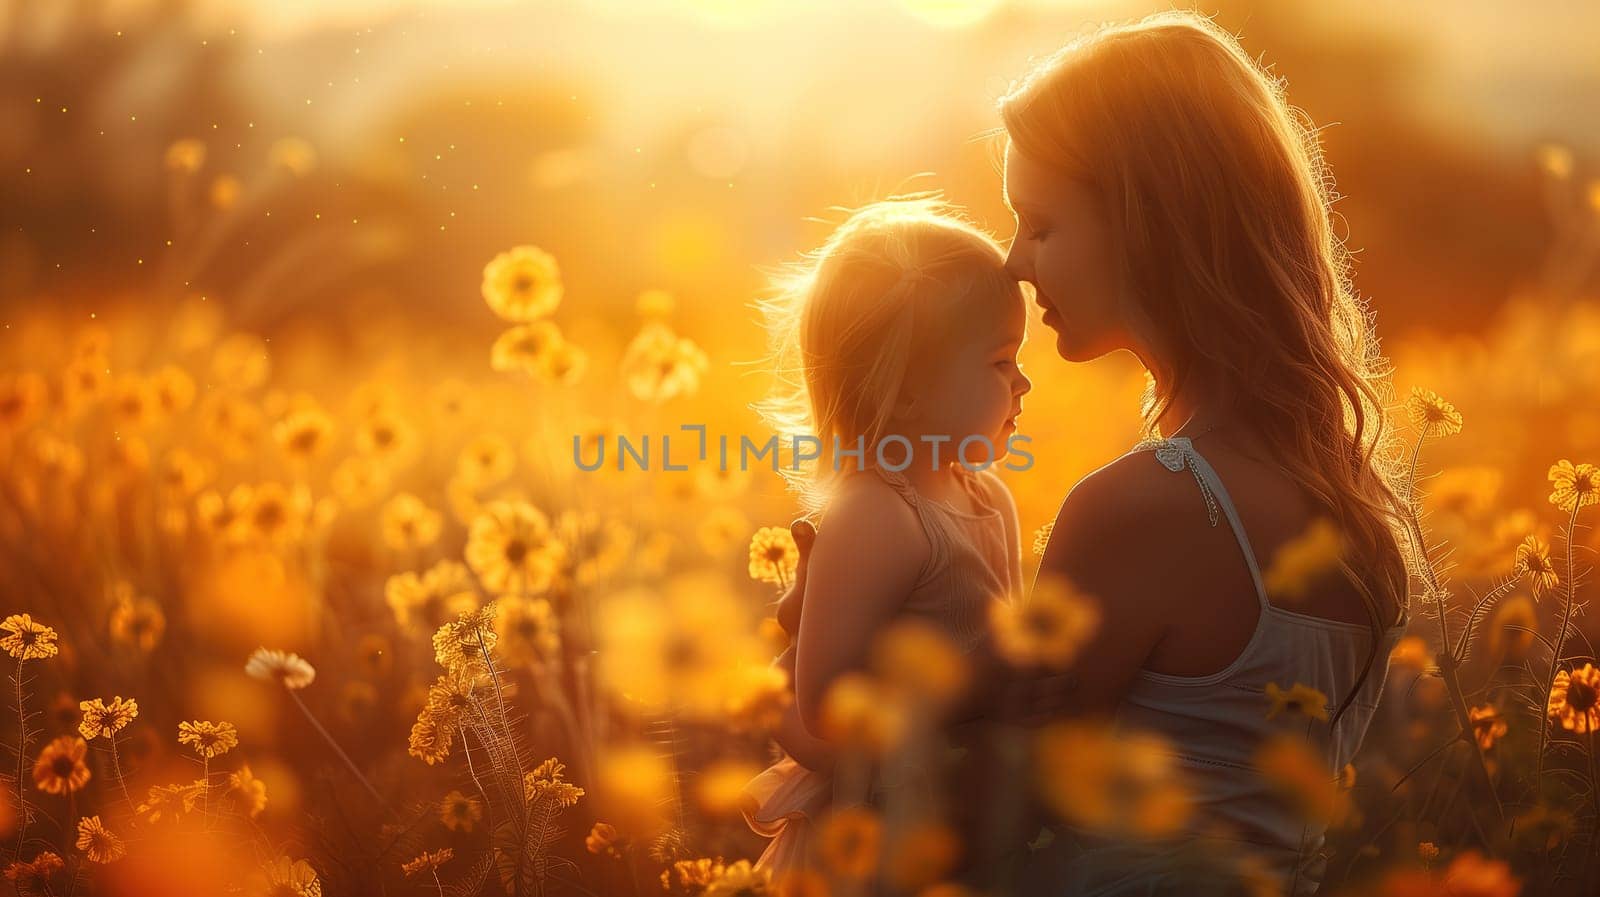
x,y
245,242
350,166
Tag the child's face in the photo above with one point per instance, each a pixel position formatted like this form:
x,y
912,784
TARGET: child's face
x,y
972,386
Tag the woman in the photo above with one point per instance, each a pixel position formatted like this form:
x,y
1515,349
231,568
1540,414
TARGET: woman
x,y
1170,204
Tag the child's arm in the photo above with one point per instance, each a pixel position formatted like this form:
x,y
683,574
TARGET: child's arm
x,y
808,750
868,555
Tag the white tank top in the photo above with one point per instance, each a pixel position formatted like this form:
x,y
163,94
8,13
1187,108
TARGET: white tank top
x,y
1217,722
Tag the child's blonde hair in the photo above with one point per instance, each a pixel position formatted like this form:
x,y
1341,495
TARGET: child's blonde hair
x,y
858,318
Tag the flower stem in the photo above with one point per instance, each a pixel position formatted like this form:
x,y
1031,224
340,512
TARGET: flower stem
x,y
1555,657
340,751
116,767
22,761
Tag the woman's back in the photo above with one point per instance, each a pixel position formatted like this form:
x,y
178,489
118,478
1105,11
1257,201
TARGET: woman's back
x,y
1204,685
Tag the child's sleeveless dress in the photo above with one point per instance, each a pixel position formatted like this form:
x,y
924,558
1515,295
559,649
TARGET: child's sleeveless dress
x,y
1216,723
975,560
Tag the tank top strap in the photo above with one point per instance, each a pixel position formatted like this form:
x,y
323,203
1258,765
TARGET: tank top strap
x,y
929,513
1177,452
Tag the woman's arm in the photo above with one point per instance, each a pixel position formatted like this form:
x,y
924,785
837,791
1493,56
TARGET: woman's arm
x,y
1106,536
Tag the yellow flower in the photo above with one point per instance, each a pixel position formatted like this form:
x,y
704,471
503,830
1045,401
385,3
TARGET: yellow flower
x,y
360,480
564,363
1431,414
512,549
442,593
1300,699
23,398
430,742
173,388
132,401
1297,566
525,347
427,862
522,284
83,381
386,435
740,879
759,694
1047,628
463,641
849,840
1304,778
289,670
138,622
207,738
1487,725
1411,651
292,878
304,433
1575,485
1116,783
659,365
33,877
602,839
694,876
773,555
102,720
60,768
460,813
486,461
527,629
26,639
97,843
546,782
1427,851
680,647
456,692
241,361
252,789
1575,699
922,661
1533,559
859,712
171,800
409,524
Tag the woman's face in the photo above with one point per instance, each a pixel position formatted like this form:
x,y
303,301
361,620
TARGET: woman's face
x,y
1062,248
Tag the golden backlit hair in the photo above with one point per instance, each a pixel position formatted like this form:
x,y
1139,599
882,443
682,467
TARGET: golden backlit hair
x,y
852,323
1219,204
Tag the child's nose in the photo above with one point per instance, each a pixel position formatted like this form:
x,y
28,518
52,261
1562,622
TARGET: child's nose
x,y
1023,384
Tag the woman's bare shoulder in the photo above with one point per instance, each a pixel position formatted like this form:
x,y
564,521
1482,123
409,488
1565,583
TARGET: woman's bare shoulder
x,y
1118,513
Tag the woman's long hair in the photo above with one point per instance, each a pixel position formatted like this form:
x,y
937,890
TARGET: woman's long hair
x,y
1219,203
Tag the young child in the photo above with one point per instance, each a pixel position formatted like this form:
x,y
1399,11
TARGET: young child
x,y
897,342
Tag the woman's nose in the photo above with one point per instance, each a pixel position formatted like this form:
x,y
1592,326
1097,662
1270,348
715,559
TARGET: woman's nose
x,y
1016,262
